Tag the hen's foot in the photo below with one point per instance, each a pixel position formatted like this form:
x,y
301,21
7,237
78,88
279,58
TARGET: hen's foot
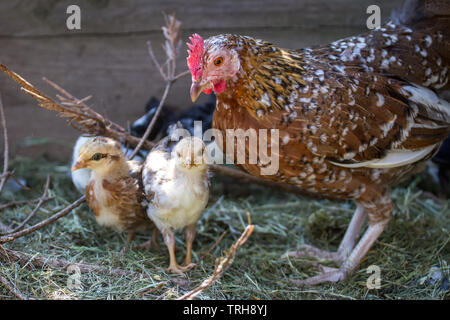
x,y
346,246
307,250
328,275
350,263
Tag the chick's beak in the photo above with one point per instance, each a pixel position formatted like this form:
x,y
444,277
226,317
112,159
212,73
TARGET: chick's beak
x,y
196,89
79,165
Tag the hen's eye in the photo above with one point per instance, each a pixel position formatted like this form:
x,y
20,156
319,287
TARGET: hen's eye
x,y
98,156
218,61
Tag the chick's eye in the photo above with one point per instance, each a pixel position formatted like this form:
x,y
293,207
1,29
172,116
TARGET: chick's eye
x,y
98,156
218,61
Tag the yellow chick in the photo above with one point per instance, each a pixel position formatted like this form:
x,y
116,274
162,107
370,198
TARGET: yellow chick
x,y
177,188
114,192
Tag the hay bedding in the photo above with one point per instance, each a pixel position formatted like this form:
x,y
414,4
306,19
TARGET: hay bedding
x,y
412,254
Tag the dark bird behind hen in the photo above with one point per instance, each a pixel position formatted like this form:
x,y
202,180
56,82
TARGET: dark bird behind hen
x,y
354,117
167,118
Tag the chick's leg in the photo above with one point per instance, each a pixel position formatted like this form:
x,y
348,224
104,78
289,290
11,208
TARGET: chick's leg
x,y
345,247
152,243
189,238
130,237
169,240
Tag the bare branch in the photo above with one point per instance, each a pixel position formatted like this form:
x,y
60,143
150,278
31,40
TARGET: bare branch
x,y
5,174
222,264
152,123
35,210
172,33
181,75
40,225
219,240
155,61
81,117
10,174
13,204
4,228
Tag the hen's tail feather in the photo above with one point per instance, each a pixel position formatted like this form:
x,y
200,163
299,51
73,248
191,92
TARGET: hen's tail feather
x,y
429,21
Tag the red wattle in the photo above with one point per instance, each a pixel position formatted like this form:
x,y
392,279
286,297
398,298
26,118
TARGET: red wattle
x,y
207,91
220,86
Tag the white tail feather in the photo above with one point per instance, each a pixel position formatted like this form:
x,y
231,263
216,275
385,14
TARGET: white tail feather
x,y
394,158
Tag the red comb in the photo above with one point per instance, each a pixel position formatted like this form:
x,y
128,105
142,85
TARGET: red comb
x,y
195,52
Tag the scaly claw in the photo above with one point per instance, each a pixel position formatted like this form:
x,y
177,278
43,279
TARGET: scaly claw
x,y
179,269
330,275
307,250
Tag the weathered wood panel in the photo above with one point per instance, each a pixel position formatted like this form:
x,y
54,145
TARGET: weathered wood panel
x,y
32,18
108,57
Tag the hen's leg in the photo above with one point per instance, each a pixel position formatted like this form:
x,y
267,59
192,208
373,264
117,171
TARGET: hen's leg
x,y
346,246
169,240
380,212
189,238
334,275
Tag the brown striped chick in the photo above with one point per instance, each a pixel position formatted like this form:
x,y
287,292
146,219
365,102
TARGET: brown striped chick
x,y
114,192
177,188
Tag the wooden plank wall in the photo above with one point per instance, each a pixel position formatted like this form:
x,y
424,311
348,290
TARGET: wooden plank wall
x,y
108,56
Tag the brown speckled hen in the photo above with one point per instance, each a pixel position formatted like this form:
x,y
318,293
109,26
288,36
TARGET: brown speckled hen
x,y
114,192
354,116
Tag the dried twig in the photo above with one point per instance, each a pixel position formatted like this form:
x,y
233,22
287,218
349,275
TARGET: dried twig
x,y
13,290
25,259
181,75
35,210
10,174
37,226
13,204
4,228
155,61
172,33
152,123
222,265
5,174
149,291
80,116
218,241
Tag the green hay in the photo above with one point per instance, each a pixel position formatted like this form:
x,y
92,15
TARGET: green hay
x,y
416,240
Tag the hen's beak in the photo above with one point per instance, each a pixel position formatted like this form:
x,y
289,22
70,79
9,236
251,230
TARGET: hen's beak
x,y
196,89
79,165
